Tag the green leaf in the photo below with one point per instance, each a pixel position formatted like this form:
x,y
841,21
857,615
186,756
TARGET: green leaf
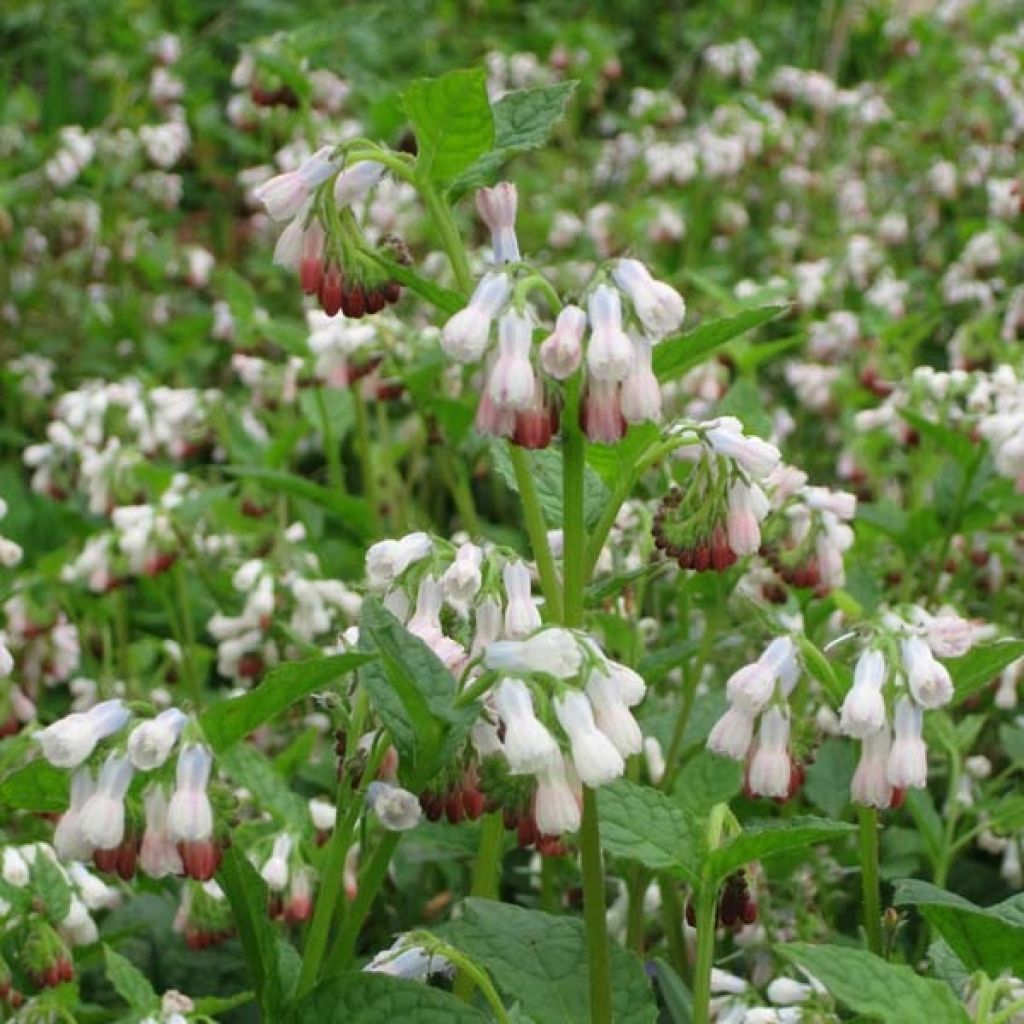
x,y
869,985
546,470
643,824
951,441
247,894
371,998
677,356
451,117
130,983
989,939
231,720
706,779
1012,739
674,994
613,461
827,784
413,693
743,400
252,769
980,666
758,841
921,808
541,960
523,119
50,886
38,786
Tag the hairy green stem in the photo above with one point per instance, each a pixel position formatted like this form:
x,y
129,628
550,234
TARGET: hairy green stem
x,y
335,477
598,953
868,824
672,923
448,232
707,899
536,529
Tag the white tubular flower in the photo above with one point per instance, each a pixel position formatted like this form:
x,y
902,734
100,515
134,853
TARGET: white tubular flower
x,y
511,382
69,741
928,679
907,767
770,766
752,454
95,893
612,715
275,870
397,809
68,839
462,579
189,814
655,758
732,734
789,992
103,814
464,336
629,684
609,353
640,400
521,614
283,194
659,307
863,711
562,351
6,658
10,553
388,559
594,756
751,687
78,928
529,747
14,871
948,635
747,508
488,626
556,807
554,651
497,207
426,619
354,183
323,813
150,743
158,854
403,960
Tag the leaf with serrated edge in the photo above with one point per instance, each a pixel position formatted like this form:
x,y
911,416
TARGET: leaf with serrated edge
x,y
760,841
130,983
226,723
869,985
541,960
980,666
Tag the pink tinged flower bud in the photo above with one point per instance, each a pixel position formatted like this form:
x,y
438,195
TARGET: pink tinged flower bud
x,y
158,855
103,814
754,456
522,616
397,809
641,392
275,870
556,807
150,743
189,814
554,651
426,619
609,353
863,711
283,194
491,419
947,634
601,412
593,753
907,767
497,207
659,307
655,758
743,519
770,767
732,734
562,351
68,838
870,784
464,336
612,716
529,747
511,382
354,183
69,741
928,679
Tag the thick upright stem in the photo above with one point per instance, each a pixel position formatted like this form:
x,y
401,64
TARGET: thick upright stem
x,y
537,531
450,240
706,907
868,818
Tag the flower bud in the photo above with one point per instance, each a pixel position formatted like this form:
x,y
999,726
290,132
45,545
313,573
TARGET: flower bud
x,y
397,809
70,740
562,351
659,307
150,743
497,207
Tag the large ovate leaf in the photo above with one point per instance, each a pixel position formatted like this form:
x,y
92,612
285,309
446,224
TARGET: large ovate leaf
x,y
541,961
369,998
451,118
645,825
130,983
759,841
989,939
413,693
980,666
869,985
676,356
37,786
226,723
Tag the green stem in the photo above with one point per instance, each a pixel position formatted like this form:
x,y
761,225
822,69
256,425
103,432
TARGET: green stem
x,y
455,477
598,955
473,974
868,821
537,531
188,630
370,880
707,898
334,474
448,232
635,892
672,923
365,454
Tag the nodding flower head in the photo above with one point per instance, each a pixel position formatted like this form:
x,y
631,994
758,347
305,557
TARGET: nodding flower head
x,y
284,194
863,711
150,743
562,351
659,307
103,814
189,814
771,767
528,745
907,767
464,337
556,804
594,756
609,352
928,679
69,741
511,381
